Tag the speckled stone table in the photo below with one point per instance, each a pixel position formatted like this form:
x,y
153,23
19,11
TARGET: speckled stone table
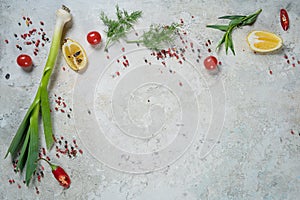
x,y
244,142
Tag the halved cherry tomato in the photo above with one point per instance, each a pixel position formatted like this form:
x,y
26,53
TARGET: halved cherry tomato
x,y
93,37
210,63
284,19
24,60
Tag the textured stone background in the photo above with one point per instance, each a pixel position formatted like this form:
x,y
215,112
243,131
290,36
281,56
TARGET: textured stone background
x,y
256,157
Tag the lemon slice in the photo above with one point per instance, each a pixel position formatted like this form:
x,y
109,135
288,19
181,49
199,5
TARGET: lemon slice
x,y
263,41
74,55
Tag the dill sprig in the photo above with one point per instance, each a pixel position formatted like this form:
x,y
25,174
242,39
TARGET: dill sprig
x,y
157,36
236,21
118,28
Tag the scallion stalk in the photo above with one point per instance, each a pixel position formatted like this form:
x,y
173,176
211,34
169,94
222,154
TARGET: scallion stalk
x,y
26,140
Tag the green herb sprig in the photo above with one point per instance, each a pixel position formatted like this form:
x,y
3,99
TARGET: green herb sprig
x,y
118,28
236,21
157,36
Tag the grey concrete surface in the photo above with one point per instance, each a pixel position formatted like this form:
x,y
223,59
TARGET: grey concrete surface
x,y
253,152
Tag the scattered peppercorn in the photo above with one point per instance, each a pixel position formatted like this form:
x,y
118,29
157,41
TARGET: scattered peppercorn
x,y
7,76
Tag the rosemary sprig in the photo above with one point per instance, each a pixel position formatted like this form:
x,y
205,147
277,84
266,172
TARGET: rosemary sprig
x,y
118,28
157,36
236,21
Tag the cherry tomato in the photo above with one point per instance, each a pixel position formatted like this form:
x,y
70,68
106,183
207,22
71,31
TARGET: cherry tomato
x,y
93,37
24,60
210,63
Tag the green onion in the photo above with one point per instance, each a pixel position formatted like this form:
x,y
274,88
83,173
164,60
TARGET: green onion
x,y
26,140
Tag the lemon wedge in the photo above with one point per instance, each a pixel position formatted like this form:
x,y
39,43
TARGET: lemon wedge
x,y
74,55
263,41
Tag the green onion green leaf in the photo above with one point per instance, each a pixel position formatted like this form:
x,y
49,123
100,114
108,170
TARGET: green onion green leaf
x,y
46,117
33,150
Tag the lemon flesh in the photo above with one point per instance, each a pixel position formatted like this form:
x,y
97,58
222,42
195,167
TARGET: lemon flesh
x,y
74,55
263,41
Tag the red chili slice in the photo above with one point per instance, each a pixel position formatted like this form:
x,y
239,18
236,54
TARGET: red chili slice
x,y
61,176
284,19
59,173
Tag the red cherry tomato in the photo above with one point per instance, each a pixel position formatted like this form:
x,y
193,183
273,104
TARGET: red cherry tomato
x,y
24,60
93,37
210,63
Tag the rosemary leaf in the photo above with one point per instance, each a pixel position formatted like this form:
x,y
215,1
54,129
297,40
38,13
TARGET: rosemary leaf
x,y
234,23
227,40
231,17
221,41
219,27
230,43
251,18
